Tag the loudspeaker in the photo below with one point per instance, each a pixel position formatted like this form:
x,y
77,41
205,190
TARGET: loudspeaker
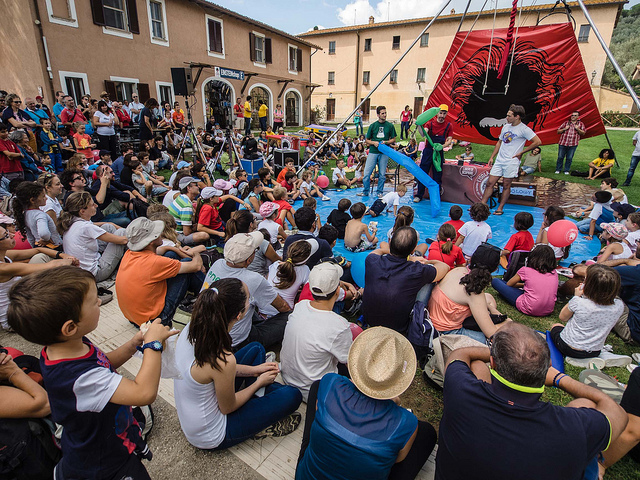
x,y
182,81
280,154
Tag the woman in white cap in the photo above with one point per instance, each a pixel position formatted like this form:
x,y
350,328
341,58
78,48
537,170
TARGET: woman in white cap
x,y
216,397
358,427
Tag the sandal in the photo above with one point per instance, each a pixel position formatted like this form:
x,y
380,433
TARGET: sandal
x,y
498,212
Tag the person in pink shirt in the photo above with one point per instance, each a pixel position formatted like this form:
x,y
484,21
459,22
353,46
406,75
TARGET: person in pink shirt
x,y
405,121
540,282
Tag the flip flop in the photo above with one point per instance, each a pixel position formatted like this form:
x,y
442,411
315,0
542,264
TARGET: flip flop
x,y
498,212
603,382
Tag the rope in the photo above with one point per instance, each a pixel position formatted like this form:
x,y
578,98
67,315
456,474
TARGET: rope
x,y
505,54
460,47
513,51
493,28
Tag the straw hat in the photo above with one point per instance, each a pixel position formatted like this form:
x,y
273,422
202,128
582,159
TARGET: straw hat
x,y
382,363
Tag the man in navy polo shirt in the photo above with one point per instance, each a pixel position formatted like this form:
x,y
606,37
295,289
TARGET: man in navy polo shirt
x,y
495,426
393,281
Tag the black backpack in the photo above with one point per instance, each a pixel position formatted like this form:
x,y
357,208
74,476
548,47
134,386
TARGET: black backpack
x,y
517,260
28,450
136,208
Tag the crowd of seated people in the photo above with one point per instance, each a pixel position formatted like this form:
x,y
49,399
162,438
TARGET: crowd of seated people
x,y
219,251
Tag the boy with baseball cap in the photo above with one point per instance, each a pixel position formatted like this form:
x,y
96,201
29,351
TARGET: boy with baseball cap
x,y
265,318
316,339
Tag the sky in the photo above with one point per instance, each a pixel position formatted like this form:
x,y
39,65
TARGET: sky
x,y
298,16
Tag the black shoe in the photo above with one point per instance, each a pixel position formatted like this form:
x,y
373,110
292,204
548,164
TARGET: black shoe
x,y
625,184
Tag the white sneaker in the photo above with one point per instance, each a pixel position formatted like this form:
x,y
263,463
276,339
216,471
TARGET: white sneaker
x,y
270,357
557,172
598,362
325,198
631,367
416,200
636,357
613,360
566,173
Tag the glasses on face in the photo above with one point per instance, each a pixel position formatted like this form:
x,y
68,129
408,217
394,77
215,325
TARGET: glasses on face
x,y
77,178
17,101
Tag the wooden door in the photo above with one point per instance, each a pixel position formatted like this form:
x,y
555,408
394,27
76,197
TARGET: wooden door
x,y
331,109
417,106
366,108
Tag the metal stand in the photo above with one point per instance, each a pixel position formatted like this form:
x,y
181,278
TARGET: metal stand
x,y
233,149
191,133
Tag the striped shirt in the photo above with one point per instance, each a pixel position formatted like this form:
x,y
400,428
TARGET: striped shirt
x,y
182,209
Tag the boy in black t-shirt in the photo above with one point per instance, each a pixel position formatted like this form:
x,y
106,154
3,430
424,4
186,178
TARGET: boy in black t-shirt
x,y
57,308
339,216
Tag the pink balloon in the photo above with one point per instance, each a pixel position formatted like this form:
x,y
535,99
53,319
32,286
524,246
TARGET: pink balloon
x,y
322,181
562,233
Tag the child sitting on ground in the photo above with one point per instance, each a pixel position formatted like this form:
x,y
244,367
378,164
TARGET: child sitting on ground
x,y
540,281
385,203
339,216
590,314
289,166
532,162
291,184
552,214
404,219
285,210
444,250
253,197
358,173
468,155
310,189
291,273
522,239
207,217
264,174
633,227
600,213
312,204
339,177
146,185
170,242
57,308
357,237
475,232
614,234
269,213
455,213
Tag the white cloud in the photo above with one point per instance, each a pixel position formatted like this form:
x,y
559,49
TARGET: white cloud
x,y
358,11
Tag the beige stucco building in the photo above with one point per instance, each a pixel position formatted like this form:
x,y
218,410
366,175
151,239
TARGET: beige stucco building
x,y
355,58
126,46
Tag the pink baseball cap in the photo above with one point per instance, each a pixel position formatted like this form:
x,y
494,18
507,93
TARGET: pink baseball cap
x,y
222,184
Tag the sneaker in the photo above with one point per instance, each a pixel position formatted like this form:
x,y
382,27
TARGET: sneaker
x,y
598,362
270,357
566,173
636,357
281,428
631,367
362,194
603,382
416,200
625,184
557,172
380,195
613,360
325,198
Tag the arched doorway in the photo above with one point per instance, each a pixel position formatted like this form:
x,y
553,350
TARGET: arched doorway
x,y
292,105
260,93
218,99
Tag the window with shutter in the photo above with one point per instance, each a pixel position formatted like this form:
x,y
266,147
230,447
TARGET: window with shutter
x,y
252,47
143,92
299,61
267,51
97,12
132,13
215,36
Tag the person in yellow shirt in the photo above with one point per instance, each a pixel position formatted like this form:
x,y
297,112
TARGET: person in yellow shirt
x,y
601,166
262,116
247,115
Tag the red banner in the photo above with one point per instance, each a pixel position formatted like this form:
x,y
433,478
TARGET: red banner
x,y
544,74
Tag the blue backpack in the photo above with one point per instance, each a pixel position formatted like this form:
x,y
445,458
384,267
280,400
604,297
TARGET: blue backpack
x,y
421,331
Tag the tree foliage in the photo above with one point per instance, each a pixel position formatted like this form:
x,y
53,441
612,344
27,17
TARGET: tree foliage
x,y
625,47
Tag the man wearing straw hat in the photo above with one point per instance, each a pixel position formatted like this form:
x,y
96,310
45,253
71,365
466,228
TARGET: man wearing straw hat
x,y
495,426
358,428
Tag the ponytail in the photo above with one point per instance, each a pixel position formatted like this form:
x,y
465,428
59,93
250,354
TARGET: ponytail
x,y
240,222
213,311
297,254
25,192
196,215
476,280
77,201
447,234
404,218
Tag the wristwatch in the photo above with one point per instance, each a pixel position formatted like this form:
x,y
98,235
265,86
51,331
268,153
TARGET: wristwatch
x,y
155,346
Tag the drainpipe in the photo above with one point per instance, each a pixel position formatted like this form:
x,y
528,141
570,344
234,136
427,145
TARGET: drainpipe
x,y
355,100
309,110
43,40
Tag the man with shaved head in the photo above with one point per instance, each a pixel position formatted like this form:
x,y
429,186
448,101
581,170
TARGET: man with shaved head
x,y
495,426
394,280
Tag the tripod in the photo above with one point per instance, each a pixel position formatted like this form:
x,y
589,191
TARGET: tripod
x,y
195,142
233,149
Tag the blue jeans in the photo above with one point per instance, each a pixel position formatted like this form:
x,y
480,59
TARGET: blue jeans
x,y
359,128
632,169
583,226
247,126
259,412
510,294
564,151
56,162
374,159
263,124
177,288
479,336
121,219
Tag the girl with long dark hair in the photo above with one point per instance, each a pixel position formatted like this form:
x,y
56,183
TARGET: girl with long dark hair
x,y
216,396
104,121
36,226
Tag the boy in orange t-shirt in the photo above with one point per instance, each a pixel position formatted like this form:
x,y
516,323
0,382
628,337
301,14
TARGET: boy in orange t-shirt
x,y
288,167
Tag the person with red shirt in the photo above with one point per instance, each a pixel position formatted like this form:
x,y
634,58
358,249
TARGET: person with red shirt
x,y
10,166
439,131
444,249
238,114
178,115
405,122
123,116
71,114
208,217
522,239
455,213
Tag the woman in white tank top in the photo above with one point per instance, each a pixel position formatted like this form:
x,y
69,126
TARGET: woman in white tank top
x,y
215,412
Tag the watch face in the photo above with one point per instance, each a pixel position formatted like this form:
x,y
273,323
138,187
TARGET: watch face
x,y
156,345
